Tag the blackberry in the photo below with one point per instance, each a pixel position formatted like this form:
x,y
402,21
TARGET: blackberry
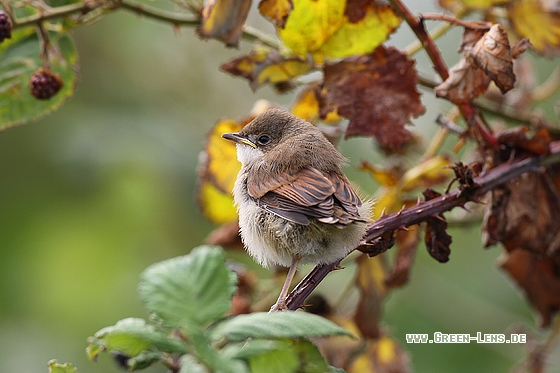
x,y
45,83
5,27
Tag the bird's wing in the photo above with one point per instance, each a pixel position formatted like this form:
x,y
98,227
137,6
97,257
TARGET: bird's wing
x,y
308,194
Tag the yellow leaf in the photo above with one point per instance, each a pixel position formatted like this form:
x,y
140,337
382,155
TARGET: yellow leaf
x,y
281,70
384,177
432,171
307,104
276,11
218,170
532,20
224,19
371,274
264,65
363,36
216,205
389,200
311,23
222,163
381,355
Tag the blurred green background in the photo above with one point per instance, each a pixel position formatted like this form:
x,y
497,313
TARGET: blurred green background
x,y
100,189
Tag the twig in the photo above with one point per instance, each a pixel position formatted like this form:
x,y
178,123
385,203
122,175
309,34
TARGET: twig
x,y
457,21
174,18
423,210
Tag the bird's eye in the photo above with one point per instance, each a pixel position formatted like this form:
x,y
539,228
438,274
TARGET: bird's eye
x,y
264,139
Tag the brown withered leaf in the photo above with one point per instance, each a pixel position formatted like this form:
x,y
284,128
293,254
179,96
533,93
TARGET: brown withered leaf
x,y
436,238
407,242
524,213
370,280
492,54
539,277
226,235
517,138
246,285
464,175
465,83
356,10
487,56
377,93
379,244
223,20
264,65
276,11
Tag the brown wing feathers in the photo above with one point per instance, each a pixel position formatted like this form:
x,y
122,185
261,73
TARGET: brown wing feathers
x,y
309,194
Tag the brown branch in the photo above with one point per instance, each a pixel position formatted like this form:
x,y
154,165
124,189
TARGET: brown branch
x,y
456,21
423,210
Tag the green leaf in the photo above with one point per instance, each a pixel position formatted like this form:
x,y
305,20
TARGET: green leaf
x,y
284,359
209,356
20,57
131,337
56,367
279,356
335,370
189,291
143,360
287,324
246,349
189,364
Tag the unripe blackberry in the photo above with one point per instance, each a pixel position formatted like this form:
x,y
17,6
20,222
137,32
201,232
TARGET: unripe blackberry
x,y
45,83
5,27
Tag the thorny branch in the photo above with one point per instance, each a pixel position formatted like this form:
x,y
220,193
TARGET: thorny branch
x,y
423,210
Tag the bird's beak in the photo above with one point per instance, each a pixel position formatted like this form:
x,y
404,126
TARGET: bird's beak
x,y
239,139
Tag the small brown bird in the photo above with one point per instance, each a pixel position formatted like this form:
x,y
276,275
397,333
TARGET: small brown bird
x,y
295,204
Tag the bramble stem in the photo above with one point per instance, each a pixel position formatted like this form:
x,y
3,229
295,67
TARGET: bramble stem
x,y
423,210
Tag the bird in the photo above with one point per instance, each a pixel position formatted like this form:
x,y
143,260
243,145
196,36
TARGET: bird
x,y
295,204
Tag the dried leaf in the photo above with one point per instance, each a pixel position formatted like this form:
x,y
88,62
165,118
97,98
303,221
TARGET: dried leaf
x,y
517,138
276,11
539,22
370,280
223,20
436,238
407,242
486,57
265,65
382,355
226,235
379,244
539,277
464,175
524,213
377,93
465,83
241,302
492,55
